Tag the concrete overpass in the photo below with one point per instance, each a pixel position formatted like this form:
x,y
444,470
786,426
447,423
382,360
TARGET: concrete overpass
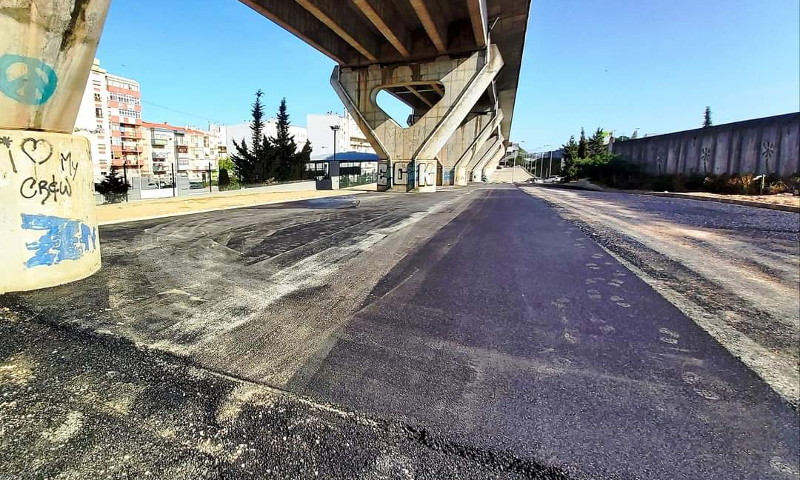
x,y
454,62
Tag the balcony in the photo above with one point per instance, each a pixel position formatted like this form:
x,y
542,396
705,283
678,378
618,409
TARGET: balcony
x,y
120,162
159,167
130,133
159,142
160,156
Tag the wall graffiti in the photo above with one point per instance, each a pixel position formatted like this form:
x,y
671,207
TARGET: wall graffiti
x,y
63,239
400,176
27,80
406,174
427,174
31,188
6,141
383,174
42,187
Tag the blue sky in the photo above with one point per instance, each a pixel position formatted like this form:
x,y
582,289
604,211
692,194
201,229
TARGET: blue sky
x,y
617,64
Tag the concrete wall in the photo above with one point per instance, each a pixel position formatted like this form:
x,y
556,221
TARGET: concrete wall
x,y
763,145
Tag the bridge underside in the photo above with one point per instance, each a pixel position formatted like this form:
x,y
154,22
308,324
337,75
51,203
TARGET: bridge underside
x,y
455,63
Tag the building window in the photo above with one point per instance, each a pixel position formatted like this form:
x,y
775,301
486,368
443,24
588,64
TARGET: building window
x,y
97,97
98,112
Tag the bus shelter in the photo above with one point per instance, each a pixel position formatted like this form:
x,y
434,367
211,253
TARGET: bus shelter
x,y
344,169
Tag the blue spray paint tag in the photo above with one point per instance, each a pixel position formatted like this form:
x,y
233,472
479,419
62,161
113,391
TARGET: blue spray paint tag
x,y
64,239
27,80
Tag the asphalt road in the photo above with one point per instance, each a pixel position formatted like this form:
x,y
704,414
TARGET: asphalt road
x,y
473,333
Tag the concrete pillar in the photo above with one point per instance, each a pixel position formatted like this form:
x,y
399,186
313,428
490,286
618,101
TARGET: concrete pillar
x,y
467,159
409,155
495,148
48,228
491,166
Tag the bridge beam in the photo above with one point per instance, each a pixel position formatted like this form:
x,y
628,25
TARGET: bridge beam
x,y
409,155
383,15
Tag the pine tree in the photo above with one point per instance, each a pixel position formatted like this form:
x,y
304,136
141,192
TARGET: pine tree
x,y
569,171
596,145
571,149
251,163
707,118
283,144
582,145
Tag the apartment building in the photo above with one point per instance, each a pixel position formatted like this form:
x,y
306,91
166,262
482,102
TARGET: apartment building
x,y
125,119
93,120
349,137
186,151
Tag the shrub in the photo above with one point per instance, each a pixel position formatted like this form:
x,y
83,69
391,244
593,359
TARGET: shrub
x,y
224,179
113,187
777,187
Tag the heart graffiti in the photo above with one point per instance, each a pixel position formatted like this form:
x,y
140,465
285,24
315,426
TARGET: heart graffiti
x,y
27,80
37,150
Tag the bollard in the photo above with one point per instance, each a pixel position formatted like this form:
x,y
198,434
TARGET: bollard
x,y
48,228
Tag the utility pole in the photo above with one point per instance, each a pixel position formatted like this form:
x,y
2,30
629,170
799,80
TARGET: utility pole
x,y
124,177
175,145
209,178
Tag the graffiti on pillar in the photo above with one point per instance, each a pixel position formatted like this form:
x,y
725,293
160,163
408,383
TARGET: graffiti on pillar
x,y
705,156
63,239
42,187
400,173
427,174
383,174
447,177
6,141
27,80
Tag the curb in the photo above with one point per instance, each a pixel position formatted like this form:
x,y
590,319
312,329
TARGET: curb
x,y
206,210
745,203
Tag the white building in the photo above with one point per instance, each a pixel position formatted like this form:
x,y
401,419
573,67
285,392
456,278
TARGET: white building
x,y
349,137
92,121
242,131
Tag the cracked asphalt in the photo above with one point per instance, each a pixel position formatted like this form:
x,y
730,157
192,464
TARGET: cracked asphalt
x,y
471,333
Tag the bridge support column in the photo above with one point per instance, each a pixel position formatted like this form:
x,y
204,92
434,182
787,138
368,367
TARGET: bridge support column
x,y
467,159
48,228
492,149
491,166
409,155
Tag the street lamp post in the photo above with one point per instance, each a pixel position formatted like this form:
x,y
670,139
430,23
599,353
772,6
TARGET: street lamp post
x,y
335,129
549,171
